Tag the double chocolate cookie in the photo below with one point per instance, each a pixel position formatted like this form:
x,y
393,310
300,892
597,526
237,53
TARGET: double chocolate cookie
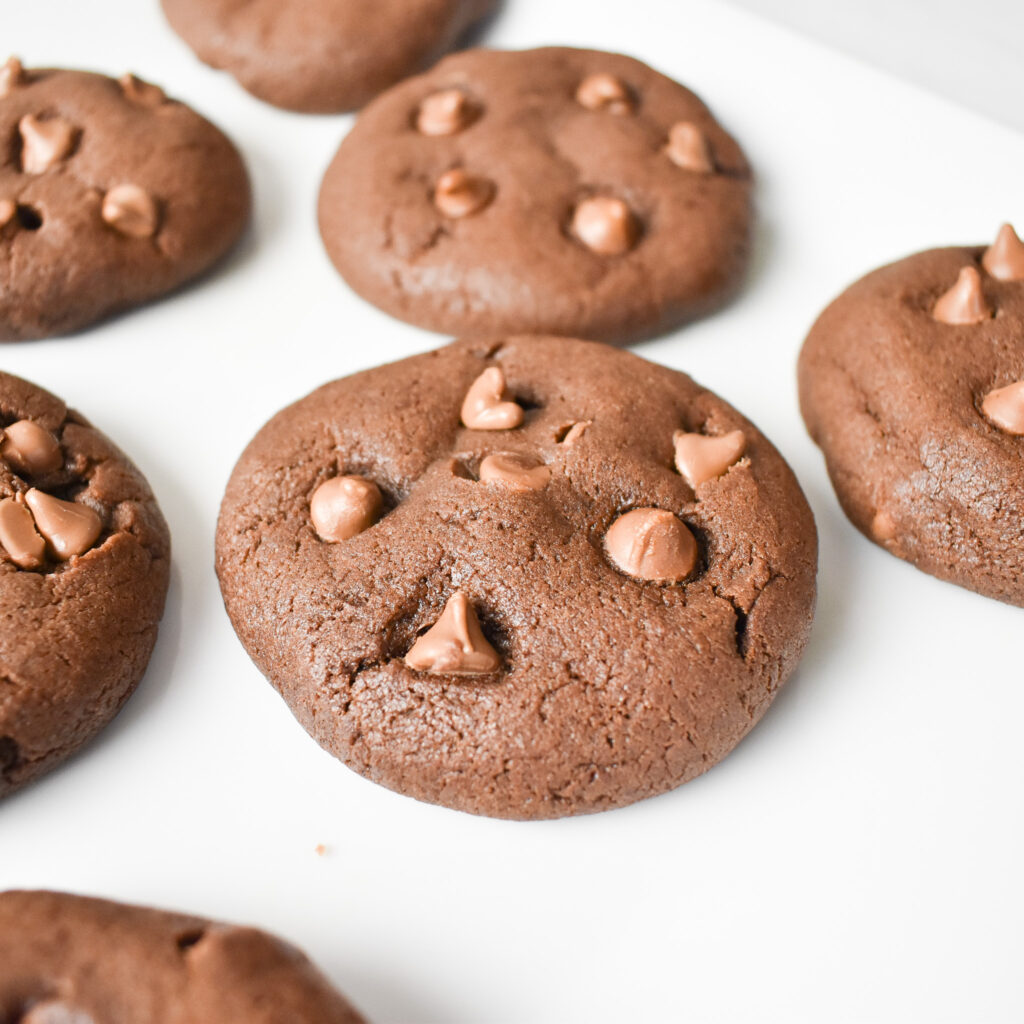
x,y
554,191
72,960
524,578
110,195
912,383
322,56
84,567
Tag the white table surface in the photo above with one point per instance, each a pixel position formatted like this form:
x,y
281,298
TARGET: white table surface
x,y
971,53
856,859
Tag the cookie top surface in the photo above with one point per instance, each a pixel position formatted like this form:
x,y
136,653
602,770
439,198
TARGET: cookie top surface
x,y
73,960
557,191
322,56
542,616
84,567
110,195
894,390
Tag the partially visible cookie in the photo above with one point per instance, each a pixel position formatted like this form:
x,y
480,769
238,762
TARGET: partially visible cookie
x,y
322,56
111,194
912,383
84,567
556,191
526,578
73,960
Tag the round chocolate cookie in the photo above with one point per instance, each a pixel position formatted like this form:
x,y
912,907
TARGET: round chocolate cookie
x,y
73,960
912,383
110,195
524,578
556,191
84,566
322,56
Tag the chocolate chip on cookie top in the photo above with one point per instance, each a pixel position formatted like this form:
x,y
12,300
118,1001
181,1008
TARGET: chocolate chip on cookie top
x,y
74,960
110,195
557,190
322,56
912,383
544,616
84,565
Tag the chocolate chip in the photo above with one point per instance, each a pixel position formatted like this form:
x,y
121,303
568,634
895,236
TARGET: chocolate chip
x,y
601,91
652,544
965,302
345,506
45,143
30,449
486,405
69,527
688,148
605,225
455,644
131,211
12,74
459,194
700,458
447,112
1005,408
1004,259
519,472
139,91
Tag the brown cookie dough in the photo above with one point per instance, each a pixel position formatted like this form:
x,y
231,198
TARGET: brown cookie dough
x,y
84,566
557,191
322,56
110,195
73,960
910,382
543,616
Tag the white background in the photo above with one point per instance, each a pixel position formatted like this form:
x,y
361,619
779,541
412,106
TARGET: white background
x,y
969,52
858,858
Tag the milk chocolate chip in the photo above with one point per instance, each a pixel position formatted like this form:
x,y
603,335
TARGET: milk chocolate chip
x,y
964,303
345,506
18,535
883,527
602,91
130,210
30,450
700,458
459,194
688,148
1005,407
520,472
486,406
605,225
55,1011
44,143
574,432
455,644
1004,259
652,544
12,74
139,91
68,527
447,112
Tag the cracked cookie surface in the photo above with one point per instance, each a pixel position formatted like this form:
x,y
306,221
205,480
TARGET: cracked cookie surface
x,y
542,616
895,379
322,56
84,568
561,191
74,960
111,195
